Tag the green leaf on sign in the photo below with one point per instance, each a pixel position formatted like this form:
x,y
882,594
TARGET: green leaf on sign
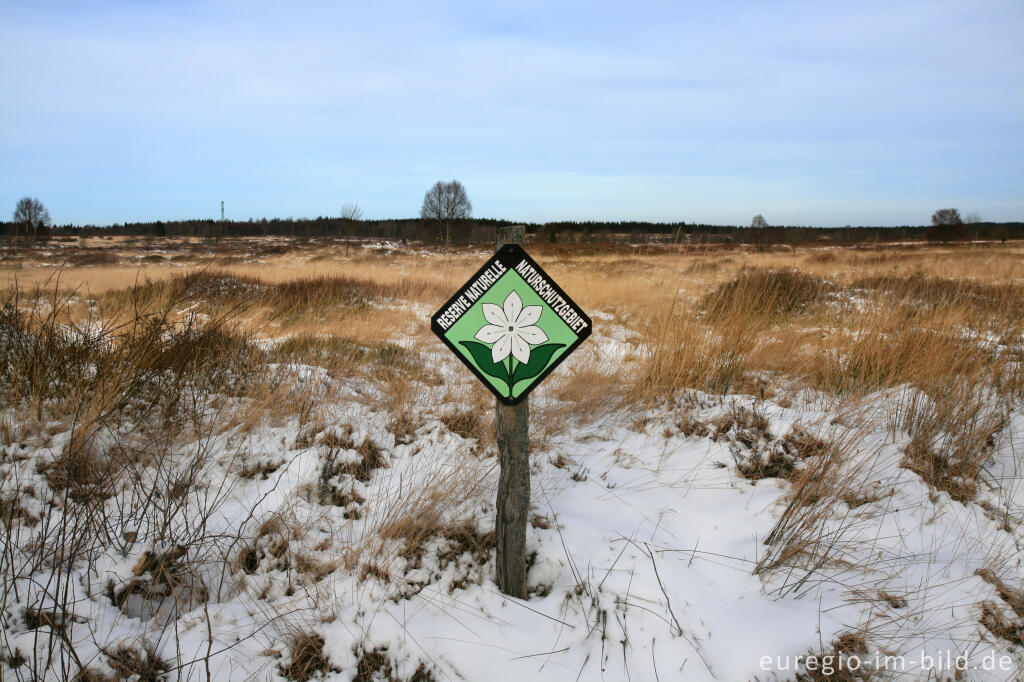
x,y
539,358
482,356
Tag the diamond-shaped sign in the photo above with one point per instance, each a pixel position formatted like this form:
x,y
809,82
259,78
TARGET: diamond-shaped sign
x,y
511,324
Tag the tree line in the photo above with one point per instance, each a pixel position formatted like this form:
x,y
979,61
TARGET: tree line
x,y
481,230
445,218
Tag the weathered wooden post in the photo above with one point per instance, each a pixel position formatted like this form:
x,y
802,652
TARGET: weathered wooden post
x,y
511,325
513,502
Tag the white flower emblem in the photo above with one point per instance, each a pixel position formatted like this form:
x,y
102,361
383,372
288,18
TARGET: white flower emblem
x,y
511,330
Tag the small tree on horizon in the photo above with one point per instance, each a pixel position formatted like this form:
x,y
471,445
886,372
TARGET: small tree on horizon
x,y
947,226
350,213
758,227
31,217
444,203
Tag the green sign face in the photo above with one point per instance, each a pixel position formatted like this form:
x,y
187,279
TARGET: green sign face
x,y
510,324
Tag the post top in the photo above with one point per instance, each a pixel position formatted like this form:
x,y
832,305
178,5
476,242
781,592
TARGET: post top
x,y
510,234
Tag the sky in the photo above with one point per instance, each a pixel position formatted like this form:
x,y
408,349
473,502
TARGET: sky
x,y
810,113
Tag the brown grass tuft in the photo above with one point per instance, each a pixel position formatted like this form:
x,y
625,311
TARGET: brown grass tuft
x,y
828,668
376,666
943,292
951,438
1014,598
1002,627
12,512
466,423
307,658
765,292
782,457
129,663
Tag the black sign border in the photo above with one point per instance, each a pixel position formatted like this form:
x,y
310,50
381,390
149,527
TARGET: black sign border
x,y
510,256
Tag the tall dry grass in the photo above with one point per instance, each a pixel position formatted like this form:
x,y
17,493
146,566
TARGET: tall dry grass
x,y
845,322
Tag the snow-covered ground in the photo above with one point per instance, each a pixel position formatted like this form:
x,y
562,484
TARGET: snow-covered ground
x,y
644,543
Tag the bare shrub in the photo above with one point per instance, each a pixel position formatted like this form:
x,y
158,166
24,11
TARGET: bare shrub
x,y
126,395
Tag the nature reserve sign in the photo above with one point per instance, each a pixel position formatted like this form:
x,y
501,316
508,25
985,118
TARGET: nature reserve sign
x,y
511,324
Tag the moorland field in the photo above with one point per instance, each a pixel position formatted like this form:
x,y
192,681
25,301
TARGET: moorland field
x,y
249,458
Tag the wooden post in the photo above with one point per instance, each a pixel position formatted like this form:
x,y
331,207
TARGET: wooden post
x,y
513,503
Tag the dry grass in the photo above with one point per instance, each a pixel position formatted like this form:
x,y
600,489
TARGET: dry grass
x,y
952,435
847,322
376,666
828,666
307,659
128,663
783,457
761,292
466,423
994,617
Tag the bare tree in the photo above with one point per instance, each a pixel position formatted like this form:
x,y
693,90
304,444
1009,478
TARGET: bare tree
x,y
758,227
31,217
947,216
947,225
350,213
445,203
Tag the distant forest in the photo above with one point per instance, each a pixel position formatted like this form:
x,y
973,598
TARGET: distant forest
x,y
481,230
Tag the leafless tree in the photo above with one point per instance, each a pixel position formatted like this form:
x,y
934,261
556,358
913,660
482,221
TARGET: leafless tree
x,y
758,227
947,216
29,217
947,225
445,203
350,213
